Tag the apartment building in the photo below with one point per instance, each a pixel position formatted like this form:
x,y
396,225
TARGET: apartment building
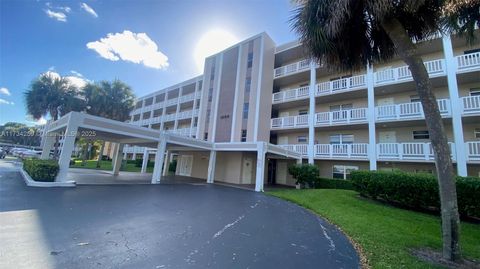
x,y
257,92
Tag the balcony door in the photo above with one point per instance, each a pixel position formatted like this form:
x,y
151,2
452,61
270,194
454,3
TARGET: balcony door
x,y
185,165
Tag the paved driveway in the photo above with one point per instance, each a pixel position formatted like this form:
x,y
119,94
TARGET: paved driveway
x,y
161,226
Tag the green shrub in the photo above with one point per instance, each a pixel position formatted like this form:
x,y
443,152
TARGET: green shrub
x,y
416,191
138,162
150,163
72,162
172,167
329,183
304,173
41,170
131,161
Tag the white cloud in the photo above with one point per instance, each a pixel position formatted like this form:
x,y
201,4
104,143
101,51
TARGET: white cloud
x,y
77,81
59,16
5,91
132,47
76,73
89,10
5,102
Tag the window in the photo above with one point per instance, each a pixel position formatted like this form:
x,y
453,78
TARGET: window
x,y
245,110
244,135
248,83
139,104
146,115
342,171
471,51
303,112
475,92
423,134
149,101
222,117
414,98
423,171
476,133
205,136
157,112
250,60
210,94
302,139
341,139
341,107
136,117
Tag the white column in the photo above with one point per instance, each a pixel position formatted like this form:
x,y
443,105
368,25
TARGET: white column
x,y
48,142
144,161
235,114
159,157
175,123
260,174
311,113
67,147
214,110
192,121
164,111
211,166
166,163
134,155
451,68
372,155
117,158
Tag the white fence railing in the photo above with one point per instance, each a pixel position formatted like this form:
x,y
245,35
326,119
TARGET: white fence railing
x,y
408,151
341,117
290,122
300,148
291,68
409,110
471,104
403,72
468,61
341,150
344,84
473,150
291,95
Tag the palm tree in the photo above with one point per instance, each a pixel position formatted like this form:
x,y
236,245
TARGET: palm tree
x,y
351,34
111,100
50,94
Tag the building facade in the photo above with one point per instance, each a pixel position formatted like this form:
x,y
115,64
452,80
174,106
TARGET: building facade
x,y
371,119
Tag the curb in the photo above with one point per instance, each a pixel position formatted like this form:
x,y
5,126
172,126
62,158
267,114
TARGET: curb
x,y
32,183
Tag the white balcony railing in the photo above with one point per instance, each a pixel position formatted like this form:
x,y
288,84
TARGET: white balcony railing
x,y
471,104
291,95
359,151
409,110
341,117
344,84
468,61
186,98
435,67
291,68
473,150
408,151
182,131
290,122
300,148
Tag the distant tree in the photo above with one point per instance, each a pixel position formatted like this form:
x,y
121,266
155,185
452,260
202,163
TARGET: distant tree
x,y
111,100
351,34
52,95
19,134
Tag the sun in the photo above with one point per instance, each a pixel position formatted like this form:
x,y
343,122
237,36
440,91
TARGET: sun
x,y
210,43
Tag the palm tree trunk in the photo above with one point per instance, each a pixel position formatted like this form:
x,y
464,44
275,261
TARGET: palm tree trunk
x,y
100,154
443,162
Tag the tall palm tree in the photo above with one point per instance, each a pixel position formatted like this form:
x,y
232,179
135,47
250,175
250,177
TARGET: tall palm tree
x,y
50,94
111,100
351,34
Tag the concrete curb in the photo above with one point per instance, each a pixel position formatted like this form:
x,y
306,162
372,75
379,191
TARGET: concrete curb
x,y
32,183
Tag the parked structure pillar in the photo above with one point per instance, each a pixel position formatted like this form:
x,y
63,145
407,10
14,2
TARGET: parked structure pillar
x,y
117,157
211,166
372,141
159,157
260,174
48,142
67,147
144,161
455,103
311,113
166,163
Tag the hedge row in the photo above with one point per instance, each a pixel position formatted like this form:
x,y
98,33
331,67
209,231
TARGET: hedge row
x,y
41,170
416,191
328,183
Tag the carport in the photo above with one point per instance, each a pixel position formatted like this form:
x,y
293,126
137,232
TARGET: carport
x,y
76,124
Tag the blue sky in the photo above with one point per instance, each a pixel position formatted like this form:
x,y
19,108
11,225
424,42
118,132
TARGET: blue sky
x,y
37,36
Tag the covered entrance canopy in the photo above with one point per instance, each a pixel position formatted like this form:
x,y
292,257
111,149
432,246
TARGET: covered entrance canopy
x,y
77,124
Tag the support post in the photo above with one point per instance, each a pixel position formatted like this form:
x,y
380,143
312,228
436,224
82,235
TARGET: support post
x,y
260,175
455,103
159,157
166,163
48,142
144,161
134,155
67,147
311,113
117,156
211,166
372,155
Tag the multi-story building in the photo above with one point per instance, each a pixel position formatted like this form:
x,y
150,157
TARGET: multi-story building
x,y
371,119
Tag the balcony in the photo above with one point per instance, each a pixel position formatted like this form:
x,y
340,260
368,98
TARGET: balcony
x,y
291,68
412,110
183,131
468,62
333,151
300,148
357,115
473,150
344,84
290,122
408,151
471,104
291,95
402,73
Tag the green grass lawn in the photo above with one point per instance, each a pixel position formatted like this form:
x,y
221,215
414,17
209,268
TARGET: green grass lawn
x,y
107,165
386,234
